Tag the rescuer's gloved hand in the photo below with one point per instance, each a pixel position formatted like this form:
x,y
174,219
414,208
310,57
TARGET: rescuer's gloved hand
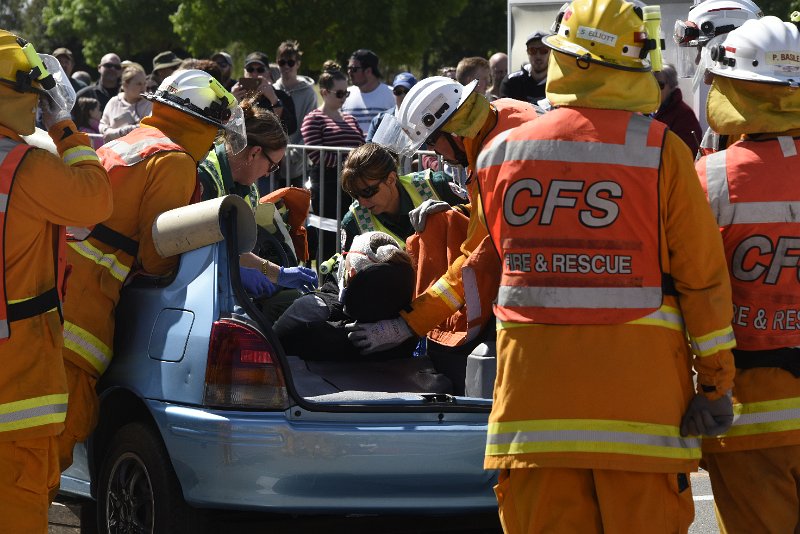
x,y
297,277
255,283
383,335
707,417
51,113
419,214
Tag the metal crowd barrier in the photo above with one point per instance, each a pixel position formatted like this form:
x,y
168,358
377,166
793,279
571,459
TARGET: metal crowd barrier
x,y
286,176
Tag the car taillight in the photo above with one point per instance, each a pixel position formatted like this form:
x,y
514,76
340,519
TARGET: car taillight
x,y
242,370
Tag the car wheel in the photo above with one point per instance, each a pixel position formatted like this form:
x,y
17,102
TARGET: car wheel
x,y
138,491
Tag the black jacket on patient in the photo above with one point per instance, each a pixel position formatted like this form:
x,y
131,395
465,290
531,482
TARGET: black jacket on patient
x,y
313,327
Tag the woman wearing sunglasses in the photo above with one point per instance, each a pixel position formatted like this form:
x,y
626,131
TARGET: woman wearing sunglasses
x,y
328,126
382,199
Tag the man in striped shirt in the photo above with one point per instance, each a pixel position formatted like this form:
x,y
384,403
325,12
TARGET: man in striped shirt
x,y
368,96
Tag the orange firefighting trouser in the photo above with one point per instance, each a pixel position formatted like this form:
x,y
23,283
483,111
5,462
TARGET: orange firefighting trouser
x,y
757,491
28,473
593,500
82,411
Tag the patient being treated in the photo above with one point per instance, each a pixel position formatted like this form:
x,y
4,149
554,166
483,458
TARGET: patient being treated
x,y
375,283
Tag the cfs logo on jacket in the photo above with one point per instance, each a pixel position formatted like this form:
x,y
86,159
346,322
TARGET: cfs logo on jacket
x,y
525,201
562,204
758,258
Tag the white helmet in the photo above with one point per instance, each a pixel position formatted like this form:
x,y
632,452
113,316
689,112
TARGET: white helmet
x,y
765,51
708,21
200,95
426,107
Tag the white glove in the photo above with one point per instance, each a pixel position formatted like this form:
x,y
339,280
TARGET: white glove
x,y
706,417
383,335
421,212
51,113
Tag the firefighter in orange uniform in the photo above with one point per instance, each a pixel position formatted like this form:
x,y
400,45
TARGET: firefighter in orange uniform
x,y
457,123
754,193
153,169
610,258
40,193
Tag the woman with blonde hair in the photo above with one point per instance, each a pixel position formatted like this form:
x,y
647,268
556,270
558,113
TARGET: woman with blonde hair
x,y
125,111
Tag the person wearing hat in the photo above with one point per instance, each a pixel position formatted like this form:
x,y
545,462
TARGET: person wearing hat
x,y
528,83
400,86
614,294
753,191
164,64
107,86
256,67
368,96
376,282
67,61
225,63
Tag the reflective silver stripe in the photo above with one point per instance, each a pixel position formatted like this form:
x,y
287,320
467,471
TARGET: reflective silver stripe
x,y
593,436
580,297
4,331
717,183
131,153
634,153
30,413
472,297
766,417
3,202
84,346
788,147
118,269
760,212
6,146
705,347
75,156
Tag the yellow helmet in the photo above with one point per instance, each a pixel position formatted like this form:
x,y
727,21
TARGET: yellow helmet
x,y
12,58
606,32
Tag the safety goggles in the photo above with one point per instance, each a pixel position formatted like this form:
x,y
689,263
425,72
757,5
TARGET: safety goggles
x,y
259,69
287,62
399,90
367,192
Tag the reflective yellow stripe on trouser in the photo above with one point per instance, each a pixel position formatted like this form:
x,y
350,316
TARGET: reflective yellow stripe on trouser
x,y
765,417
89,347
590,436
37,411
117,269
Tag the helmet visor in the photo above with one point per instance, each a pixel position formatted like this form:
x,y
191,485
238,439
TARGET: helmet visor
x,y
686,33
62,93
687,61
391,136
235,131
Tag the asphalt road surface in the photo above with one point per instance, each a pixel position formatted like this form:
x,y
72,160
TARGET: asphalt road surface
x,y
65,518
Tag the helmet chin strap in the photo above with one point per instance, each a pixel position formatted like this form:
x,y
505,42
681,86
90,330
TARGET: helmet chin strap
x,y
460,155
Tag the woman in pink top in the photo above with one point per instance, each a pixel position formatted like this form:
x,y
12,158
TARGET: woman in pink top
x,y
328,126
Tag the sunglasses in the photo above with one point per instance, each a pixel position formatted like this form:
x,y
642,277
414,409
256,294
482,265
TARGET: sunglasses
x,y
538,51
111,66
260,70
353,68
284,62
367,192
431,140
399,91
340,93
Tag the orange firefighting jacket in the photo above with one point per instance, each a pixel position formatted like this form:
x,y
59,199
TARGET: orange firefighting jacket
x,y
48,192
298,203
432,252
579,237
610,396
446,296
144,186
754,194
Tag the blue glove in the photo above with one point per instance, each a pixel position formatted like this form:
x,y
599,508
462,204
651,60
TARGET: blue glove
x,y
255,283
297,277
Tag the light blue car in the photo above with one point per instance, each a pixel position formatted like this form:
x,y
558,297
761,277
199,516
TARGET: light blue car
x,y
201,408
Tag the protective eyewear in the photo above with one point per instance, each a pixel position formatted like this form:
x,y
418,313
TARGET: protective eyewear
x,y
367,192
399,91
273,167
353,68
260,69
340,93
111,66
431,140
538,50
287,62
